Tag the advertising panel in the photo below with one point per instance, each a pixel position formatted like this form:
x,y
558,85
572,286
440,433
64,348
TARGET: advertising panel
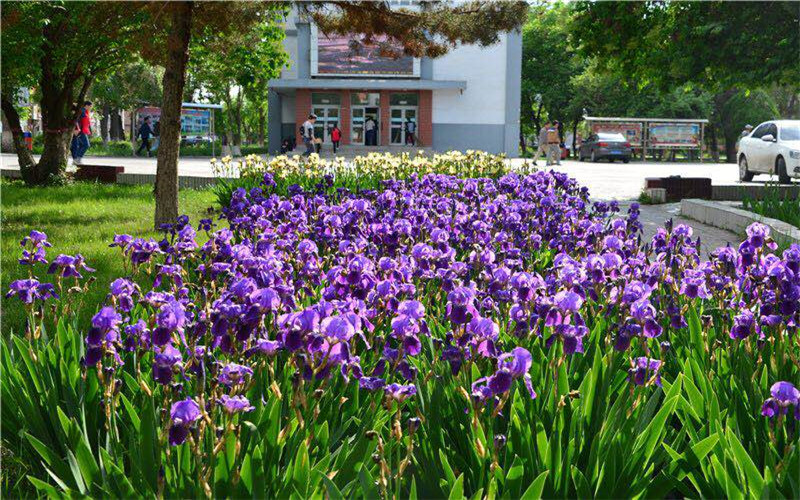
x,y
193,121
674,135
632,131
355,55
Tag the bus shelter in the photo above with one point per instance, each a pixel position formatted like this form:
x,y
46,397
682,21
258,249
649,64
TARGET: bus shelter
x,y
654,134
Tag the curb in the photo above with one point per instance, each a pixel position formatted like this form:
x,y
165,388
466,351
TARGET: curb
x,y
737,220
738,192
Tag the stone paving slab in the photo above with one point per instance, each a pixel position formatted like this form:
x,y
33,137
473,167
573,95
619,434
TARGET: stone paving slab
x,y
711,238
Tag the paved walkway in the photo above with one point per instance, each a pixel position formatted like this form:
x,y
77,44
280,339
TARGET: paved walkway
x,y
606,181
711,238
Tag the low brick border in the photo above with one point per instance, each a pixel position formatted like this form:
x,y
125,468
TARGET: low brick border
x,y
734,219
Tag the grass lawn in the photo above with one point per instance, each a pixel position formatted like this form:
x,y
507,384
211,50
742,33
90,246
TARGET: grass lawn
x,y
79,218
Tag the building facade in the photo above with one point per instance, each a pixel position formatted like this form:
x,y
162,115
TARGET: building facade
x,y
466,99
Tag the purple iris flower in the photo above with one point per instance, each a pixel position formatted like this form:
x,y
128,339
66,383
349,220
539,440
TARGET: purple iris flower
x,y
371,383
399,392
510,366
693,285
744,324
233,374
784,394
31,290
338,327
183,415
163,363
461,305
757,235
568,301
643,369
67,266
235,404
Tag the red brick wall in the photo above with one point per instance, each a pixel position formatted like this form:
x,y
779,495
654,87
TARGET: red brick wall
x,y
302,108
425,124
344,117
384,119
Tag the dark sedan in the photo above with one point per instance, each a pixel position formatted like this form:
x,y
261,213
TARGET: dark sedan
x,y
605,145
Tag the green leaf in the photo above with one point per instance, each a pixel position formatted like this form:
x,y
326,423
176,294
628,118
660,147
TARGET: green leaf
x,y
534,491
457,492
301,470
581,485
330,487
746,464
513,484
448,471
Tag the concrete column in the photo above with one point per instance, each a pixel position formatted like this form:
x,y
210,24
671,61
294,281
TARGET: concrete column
x,y
344,117
302,108
425,118
384,118
303,50
274,133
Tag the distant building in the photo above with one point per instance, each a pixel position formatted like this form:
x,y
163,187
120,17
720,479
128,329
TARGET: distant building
x,y
466,99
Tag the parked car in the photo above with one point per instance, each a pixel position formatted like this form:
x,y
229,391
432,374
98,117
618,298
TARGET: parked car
x,y
771,148
605,145
195,140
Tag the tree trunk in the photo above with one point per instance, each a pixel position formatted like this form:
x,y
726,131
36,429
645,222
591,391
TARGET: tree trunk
x,y
116,130
574,138
712,132
104,126
27,165
133,133
261,126
730,147
537,119
166,188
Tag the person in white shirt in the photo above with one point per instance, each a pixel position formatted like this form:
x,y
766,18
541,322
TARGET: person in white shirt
x,y
541,151
411,129
370,135
308,133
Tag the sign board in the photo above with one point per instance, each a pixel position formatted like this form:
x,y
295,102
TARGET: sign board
x,y
632,131
356,55
674,135
193,121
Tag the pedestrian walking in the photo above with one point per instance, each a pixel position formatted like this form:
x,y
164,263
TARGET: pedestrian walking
x,y
541,150
553,145
371,136
307,131
84,130
411,129
144,133
336,136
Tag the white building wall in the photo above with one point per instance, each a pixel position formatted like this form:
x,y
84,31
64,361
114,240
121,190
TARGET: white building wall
x,y
289,71
484,99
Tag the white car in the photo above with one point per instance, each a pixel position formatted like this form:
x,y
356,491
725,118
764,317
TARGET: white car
x,y
771,148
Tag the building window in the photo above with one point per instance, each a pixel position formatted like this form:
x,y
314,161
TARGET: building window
x,y
365,98
325,105
324,98
403,99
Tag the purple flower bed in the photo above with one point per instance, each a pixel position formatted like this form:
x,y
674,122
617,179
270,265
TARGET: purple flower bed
x,y
472,321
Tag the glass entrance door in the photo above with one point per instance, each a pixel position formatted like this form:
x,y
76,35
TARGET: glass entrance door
x,y
364,126
327,116
403,124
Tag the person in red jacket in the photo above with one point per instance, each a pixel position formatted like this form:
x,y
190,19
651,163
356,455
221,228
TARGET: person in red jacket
x,y
84,130
336,136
